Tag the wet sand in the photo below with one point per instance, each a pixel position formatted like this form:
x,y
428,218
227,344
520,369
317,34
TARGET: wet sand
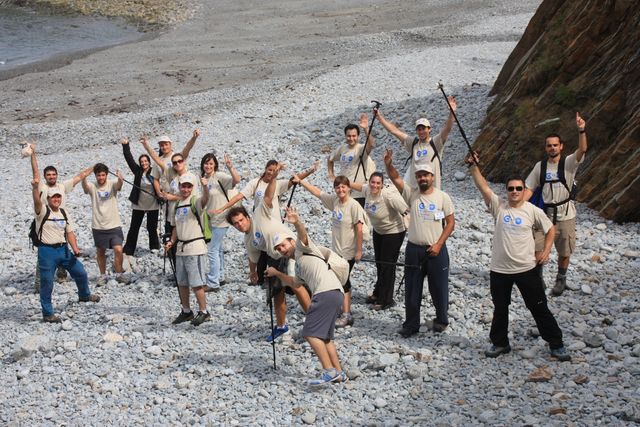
x,y
227,43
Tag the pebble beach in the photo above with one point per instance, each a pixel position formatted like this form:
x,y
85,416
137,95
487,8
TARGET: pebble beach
x,y
121,362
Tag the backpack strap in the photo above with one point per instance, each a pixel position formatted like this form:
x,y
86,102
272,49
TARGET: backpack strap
x,y
47,218
413,145
319,257
223,191
435,154
562,179
44,219
194,211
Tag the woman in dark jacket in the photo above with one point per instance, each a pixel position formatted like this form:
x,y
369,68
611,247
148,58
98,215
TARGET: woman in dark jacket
x,y
141,201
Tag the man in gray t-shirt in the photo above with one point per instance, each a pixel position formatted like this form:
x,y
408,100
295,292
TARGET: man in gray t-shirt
x,y
557,198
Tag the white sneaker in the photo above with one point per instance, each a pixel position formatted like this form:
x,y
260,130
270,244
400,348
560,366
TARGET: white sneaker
x,y
102,280
123,278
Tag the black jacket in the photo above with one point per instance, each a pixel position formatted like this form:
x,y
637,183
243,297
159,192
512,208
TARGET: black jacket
x,y
137,173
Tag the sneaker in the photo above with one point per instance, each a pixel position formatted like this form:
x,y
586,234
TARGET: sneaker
x,y
208,288
560,354
183,317
200,318
438,327
223,282
380,307
328,376
61,275
495,351
561,284
345,319
342,377
406,332
102,280
51,319
90,298
123,278
277,332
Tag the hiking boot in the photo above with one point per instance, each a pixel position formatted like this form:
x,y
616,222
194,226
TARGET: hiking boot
x,y
342,377
328,376
437,326
183,317
277,332
560,354
102,280
90,298
51,319
371,299
495,351
223,282
561,284
406,332
380,307
123,278
345,319
61,275
200,318
208,288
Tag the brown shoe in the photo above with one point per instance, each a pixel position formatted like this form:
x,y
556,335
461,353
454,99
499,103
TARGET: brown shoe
x,y
438,327
210,289
51,319
90,298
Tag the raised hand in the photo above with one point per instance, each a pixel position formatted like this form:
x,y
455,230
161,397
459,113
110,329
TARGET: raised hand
x,y
472,158
120,175
227,161
124,141
204,181
196,133
364,121
580,122
452,102
388,157
143,140
292,216
34,183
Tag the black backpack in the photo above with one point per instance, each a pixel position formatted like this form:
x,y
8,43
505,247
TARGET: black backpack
x,y
537,199
36,236
435,152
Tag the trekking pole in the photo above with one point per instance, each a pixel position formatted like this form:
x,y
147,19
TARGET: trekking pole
x,y
399,264
464,136
293,190
273,341
366,141
135,186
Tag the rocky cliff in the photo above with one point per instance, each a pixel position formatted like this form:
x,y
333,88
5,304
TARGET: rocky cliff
x,y
574,56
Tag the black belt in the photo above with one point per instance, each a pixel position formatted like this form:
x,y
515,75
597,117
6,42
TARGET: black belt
x,y
55,245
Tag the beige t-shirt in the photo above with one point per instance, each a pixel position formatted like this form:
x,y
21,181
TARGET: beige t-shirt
x,y
422,153
160,175
64,187
348,160
385,210
146,202
187,228
556,192
256,187
217,199
344,217
427,213
314,271
174,188
513,248
264,225
104,203
55,227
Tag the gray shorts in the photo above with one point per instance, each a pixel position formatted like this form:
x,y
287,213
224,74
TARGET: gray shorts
x,y
107,239
565,241
191,270
322,315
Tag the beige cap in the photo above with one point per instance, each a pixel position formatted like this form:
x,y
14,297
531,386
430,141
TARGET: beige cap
x,y
187,179
164,138
53,191
423,122
424,168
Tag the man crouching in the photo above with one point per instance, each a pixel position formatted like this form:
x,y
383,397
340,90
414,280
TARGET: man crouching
x,y
191,254
326,302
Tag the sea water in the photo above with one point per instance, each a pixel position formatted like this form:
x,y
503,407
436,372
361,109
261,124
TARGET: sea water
x,y
27,37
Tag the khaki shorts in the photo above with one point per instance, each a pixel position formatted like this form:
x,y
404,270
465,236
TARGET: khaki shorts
x,y
565,241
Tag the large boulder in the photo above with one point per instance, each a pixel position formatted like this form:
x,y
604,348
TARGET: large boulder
x,y
574,56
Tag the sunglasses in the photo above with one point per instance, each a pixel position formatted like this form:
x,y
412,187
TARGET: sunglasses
x,y
177,162
517,188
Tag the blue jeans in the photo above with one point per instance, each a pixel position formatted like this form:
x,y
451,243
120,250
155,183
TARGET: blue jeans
x,y
216,256
49,259
436,269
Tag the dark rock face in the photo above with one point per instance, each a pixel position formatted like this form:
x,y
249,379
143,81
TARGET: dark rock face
x,y
574,56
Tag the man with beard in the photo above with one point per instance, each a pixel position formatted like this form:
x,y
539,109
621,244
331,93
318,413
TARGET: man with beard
x,y
557,184
430,224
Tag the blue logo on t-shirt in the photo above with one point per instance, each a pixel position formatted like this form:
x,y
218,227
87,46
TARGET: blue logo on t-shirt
x,y
432,207
518,221
103,194
337,215
421,206
421,153
507,219
259,193
258,235
373,208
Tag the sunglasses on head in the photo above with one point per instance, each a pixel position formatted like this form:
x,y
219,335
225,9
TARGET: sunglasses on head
x,y
516,188
178,161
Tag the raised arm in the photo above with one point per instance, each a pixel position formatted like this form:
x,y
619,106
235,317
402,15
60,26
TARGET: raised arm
x,y
126,150
120,181
293,218
394,176
81,175
152,153
37,201
478,179
306,173
85,184
356,185
330,172
309,187
582,137
270,191
204,199
444,133
235,199
187,148
235,176
390,127
364,124
34,162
